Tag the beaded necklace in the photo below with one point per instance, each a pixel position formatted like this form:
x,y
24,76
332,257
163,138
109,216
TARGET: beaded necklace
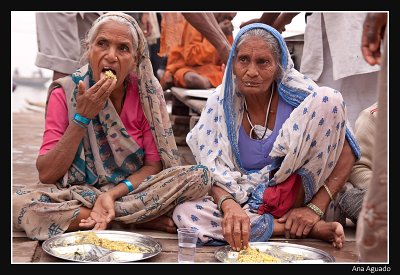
x,y
260,130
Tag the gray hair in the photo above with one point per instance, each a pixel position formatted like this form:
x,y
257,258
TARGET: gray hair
x,y
271,42
93,31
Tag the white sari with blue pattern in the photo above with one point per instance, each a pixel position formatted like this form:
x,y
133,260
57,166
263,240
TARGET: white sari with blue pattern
x,y
309,142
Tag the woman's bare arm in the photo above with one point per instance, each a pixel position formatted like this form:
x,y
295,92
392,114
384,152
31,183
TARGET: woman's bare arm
x,y
337,178
55,163
235,222
103,210
149,168
300,221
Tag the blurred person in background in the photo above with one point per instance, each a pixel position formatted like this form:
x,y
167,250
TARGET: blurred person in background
x,y
372,226
59,37
195,63
153,41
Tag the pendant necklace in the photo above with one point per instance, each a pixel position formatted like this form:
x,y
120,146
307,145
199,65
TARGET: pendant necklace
x,y
260,130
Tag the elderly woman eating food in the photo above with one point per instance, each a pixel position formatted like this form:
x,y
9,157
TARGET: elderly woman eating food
x,y
108,150
278,146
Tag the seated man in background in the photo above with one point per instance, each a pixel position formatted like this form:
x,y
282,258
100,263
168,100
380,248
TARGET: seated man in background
x,y
195,63
365,130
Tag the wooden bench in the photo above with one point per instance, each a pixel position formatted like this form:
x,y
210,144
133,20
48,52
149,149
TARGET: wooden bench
x,y
194,99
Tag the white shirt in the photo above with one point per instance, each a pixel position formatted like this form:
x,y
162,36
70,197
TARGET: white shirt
x,y
343,32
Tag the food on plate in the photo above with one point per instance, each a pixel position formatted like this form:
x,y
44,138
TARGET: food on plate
x,y
254,255
92,238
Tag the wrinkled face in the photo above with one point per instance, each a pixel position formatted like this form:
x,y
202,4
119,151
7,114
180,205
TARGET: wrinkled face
x,y
254,66
112,49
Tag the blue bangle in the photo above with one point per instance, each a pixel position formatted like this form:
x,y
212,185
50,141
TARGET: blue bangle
x,y
128,184
82,119
84,126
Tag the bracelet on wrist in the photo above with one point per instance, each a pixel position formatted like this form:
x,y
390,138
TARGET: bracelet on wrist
x,y
82,119
316,209
222,199
84,126
328,191
128,184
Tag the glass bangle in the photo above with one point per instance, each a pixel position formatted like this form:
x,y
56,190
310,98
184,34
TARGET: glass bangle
x,y
328,191
82,119
128,184
316,209
84,126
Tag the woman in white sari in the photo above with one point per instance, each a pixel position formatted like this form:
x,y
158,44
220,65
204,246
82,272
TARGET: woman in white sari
x,y
277,144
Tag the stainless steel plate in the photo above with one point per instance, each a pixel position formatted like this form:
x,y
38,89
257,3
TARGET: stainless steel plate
x,y
65,247
286,252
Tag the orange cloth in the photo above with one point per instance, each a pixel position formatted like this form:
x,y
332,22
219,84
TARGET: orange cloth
x,y
171,32
195,54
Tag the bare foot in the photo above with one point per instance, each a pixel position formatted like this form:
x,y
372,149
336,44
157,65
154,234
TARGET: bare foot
x,y
196,81
167,81
330,232
162,223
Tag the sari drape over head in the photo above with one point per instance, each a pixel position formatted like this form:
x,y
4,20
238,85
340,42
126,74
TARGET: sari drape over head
x,y
107,153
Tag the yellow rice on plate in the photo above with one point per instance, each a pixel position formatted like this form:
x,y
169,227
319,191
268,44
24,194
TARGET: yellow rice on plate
x,y
92,238
251,255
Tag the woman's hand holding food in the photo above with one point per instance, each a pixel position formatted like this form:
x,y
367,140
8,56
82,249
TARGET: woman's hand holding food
x,y
102,214
235,225
90,102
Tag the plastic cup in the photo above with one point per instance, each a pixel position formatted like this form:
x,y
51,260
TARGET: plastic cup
x,y
187,239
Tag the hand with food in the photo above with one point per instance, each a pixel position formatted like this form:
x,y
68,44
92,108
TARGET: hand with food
x,y
110,75
90,102
235,225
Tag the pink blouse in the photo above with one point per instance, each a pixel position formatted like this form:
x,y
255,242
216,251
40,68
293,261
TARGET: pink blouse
x,y
132,117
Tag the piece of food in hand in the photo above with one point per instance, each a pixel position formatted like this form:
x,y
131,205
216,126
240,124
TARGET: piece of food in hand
x,y
110,74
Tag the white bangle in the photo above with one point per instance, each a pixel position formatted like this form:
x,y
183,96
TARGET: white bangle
x,y
328,191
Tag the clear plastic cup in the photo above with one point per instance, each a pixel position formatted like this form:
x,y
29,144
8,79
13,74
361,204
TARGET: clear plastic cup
x,y
187,239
